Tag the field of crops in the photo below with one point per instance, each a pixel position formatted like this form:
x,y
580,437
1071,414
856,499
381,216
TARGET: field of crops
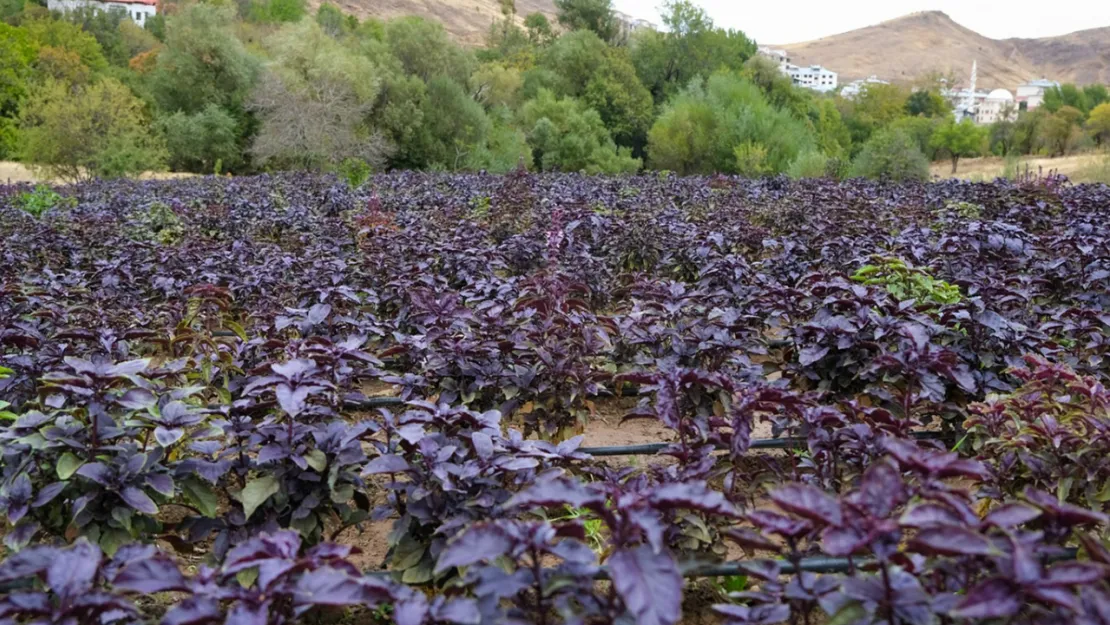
x,y
279,400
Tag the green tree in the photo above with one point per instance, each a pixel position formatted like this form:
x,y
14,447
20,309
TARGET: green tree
x,y
17,53
10,9
399,116
593,15
331,20
701,129
495,85
876,107
203,62
314,101
85,132
921,130
605,80
454,127
689,46
196,142
1098,123
539,29
1002,138
958,139
425,50
1066,94
67,36
891,155
504,149
1095,95
927,103
566,135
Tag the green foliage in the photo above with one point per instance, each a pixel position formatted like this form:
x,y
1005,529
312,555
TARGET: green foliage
x,y
355,172
17,52
751,159
1096,95
67,36
905,282
196,142
1001,137
425,50
689,46
284,10
927,103
1067,94
203,62
454,126
565,135
809,164
591,15
314,100
965,210
958,139
97,130
1098,123
331,20
11,9
41,199
505,148
1058,132
605,80
539,29
158,223
876,107
495,85
891,155
700,130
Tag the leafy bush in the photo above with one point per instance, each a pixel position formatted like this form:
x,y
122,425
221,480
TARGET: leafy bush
x,y
906,282
41,199
891,156
811,164
355,172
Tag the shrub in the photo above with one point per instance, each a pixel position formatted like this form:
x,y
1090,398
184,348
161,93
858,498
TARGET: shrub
x,y
812,164
42,199
891,155
86,132
355,172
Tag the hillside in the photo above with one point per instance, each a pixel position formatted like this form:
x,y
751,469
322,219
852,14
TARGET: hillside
x,y
907,47
468,21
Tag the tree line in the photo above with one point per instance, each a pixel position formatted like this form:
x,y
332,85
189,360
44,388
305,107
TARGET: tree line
x,y
254,85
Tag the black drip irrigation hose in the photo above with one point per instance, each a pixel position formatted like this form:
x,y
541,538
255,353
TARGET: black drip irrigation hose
x,y
649,449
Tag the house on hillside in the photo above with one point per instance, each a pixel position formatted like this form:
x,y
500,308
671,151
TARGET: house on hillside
x,y
812,77
139,11
854,88
628,25
1031,94
780,57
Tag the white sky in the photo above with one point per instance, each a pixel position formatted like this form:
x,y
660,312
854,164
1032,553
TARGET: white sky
x,y
792,21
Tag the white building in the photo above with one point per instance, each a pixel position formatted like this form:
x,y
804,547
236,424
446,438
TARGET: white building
x,y
854,88
139,11
812,77
628,25
1031,94
778,56
997,106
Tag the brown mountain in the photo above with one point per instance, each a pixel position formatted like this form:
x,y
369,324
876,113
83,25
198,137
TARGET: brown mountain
x,y
905,48
467,21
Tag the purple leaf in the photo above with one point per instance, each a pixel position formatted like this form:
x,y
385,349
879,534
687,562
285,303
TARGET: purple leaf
x,y
992,599
484,541
951,541
557,492
1011,515
194,610
157,574
811,354
96,472
809,503
292,400
649,583
72,571
138,500
389,463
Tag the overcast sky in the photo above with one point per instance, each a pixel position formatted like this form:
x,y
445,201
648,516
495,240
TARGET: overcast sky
x,y
791,21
